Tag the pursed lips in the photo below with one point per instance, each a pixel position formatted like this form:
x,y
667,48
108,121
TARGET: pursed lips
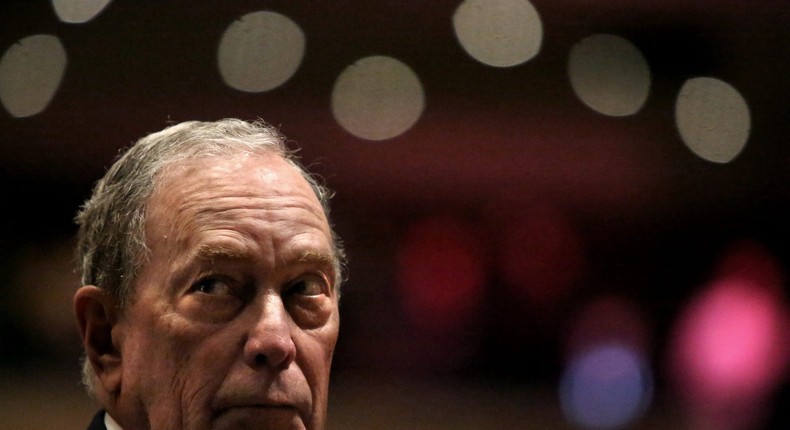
x,y
257,404
262,406
259,416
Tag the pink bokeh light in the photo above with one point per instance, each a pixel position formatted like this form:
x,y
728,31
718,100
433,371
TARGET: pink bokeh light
x,y
730,342
729,348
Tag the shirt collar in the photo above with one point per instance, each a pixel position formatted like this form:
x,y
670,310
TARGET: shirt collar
x,y
110,423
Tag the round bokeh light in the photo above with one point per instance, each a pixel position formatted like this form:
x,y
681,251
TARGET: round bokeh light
x,y
713,119
377,98
260,51
30,74
499,33
609,74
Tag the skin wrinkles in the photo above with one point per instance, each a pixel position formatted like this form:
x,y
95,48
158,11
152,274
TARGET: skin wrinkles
x,y
196,212
189,357
240,200
247,218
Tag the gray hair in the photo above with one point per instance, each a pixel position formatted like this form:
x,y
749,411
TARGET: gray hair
x,y
111,247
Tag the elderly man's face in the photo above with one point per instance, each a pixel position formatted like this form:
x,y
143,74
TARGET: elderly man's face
x,y
235,316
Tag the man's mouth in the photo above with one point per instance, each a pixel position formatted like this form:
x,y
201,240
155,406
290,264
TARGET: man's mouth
x,y
258,416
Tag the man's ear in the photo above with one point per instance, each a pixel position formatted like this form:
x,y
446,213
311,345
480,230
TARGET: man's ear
x,y
97,315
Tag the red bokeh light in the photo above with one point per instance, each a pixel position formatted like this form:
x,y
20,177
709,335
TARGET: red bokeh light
x,y
441,274
750,261
540,256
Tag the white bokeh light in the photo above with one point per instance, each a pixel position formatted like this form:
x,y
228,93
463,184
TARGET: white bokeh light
x,y
377,98
78,11
260,51
609,74
499,33
713,119
30,73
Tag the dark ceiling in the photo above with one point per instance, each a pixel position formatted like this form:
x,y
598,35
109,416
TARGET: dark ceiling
x,y
491,140
486,134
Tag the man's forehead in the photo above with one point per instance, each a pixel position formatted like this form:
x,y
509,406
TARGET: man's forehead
x,y
230,192
248,174
230,163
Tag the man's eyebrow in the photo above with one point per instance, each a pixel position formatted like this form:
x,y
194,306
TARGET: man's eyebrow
x,y
211,251
325,261
317,258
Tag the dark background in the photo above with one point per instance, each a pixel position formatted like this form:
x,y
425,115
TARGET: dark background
x,y
492,143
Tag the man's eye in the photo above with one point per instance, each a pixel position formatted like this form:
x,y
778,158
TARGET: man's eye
x,y
308,286
214,286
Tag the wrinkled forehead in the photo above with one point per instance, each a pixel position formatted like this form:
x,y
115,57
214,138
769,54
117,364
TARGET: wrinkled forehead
x,y
253,176
247,199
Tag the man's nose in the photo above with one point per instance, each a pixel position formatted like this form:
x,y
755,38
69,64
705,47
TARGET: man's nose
x,y
269,343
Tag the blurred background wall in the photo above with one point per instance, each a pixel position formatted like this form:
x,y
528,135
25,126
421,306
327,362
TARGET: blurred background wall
x,y
559,214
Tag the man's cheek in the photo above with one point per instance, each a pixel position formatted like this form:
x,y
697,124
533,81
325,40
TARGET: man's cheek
x,y
169,356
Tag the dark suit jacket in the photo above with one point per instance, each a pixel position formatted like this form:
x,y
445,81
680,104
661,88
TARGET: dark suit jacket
x,y
98,422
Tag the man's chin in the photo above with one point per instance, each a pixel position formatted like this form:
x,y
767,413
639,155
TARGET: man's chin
x,y
259,418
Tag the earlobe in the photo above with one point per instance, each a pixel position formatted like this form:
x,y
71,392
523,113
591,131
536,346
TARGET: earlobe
x,y
97,316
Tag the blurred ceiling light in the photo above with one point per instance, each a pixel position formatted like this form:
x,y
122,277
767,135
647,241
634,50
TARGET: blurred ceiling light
x,y
609,74
713,119
377,98
78,11
260,51
31,71
499,33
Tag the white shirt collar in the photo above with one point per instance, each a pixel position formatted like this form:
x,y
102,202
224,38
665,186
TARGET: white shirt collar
x,y
110,423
